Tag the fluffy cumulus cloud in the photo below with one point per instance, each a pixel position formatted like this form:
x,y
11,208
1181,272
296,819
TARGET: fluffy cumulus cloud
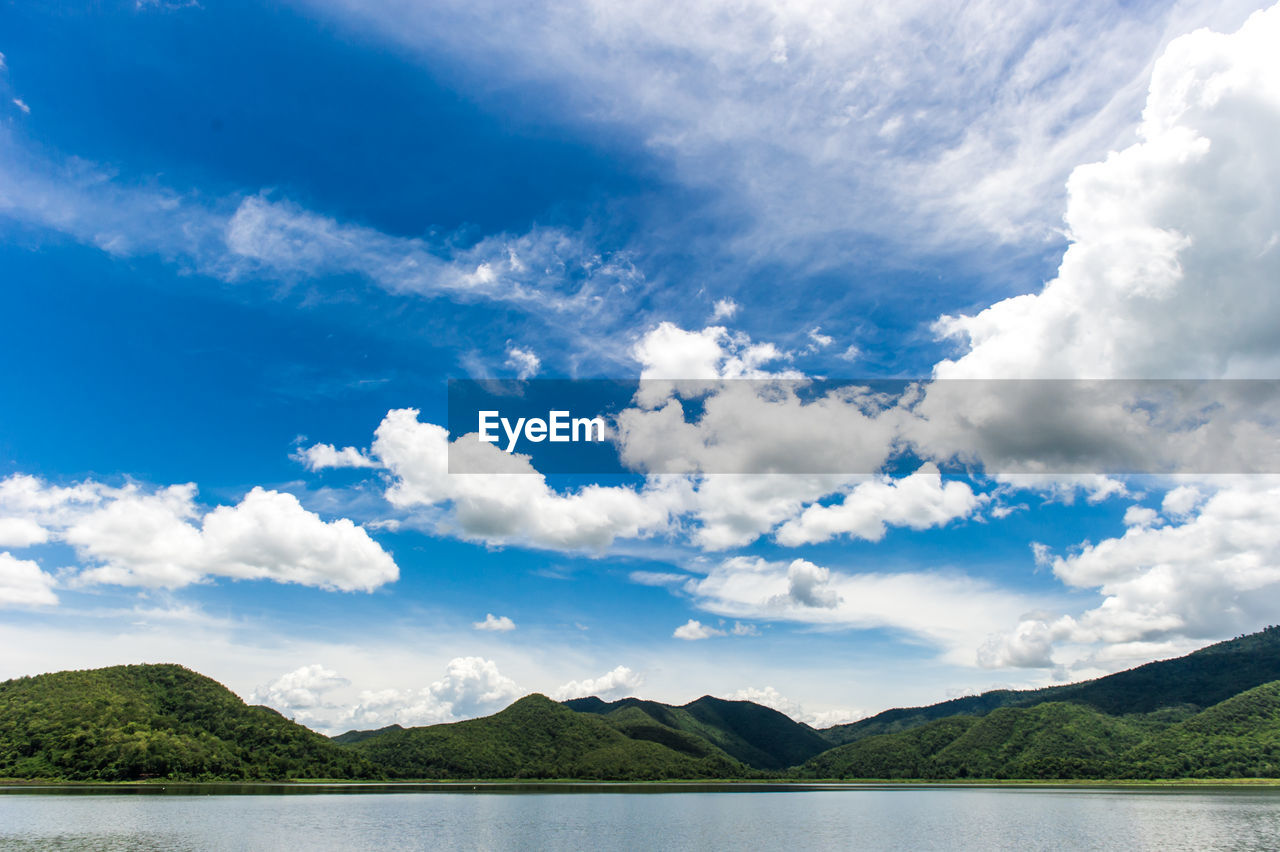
x,y
321,698
919,501
302,694
693,630
734,416
1174,240
1174,576
618,683
322,456
497,507
525,362
950,611
162,538
495,623
808,585
471,686
23,583
1173,260
21,532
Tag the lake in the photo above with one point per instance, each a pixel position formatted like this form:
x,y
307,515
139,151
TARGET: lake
x,y
585,816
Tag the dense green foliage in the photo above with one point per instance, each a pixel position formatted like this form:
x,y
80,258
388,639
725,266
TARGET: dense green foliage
x,y
1237,738
163,721
538,738
1198,680
759,736
1199,716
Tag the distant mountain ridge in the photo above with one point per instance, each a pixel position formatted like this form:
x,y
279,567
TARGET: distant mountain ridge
x,y
759,736
1200,679
1214,713
538,738
1235,738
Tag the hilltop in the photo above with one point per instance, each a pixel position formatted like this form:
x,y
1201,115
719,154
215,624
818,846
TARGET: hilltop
x,y
154,721
538,738
758,736
1214,713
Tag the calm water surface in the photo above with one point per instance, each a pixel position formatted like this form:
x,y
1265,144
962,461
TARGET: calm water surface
x,y
701,817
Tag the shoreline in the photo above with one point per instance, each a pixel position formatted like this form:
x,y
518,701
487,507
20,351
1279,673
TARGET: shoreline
x,y
10,786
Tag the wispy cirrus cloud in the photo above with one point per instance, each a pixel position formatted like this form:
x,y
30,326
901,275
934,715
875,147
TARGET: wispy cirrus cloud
x,y
937,124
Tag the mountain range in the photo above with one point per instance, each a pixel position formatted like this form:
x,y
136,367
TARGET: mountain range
x,y
1214,713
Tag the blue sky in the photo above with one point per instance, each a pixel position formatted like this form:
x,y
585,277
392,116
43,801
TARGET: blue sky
x,y
243,250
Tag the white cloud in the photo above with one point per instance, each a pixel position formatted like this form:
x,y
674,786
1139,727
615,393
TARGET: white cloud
x,y
22,105
770,697
668,352
1140,516
951,611
693,630
724,309
525,362
1180,502
301,694
1172,238
495,623
1029,645
808,586
543,268
818,340
618,683
1182,579
658,578
497,507
918,501
472,686
22,583
321,456
794,111
21,532
545,271
129,536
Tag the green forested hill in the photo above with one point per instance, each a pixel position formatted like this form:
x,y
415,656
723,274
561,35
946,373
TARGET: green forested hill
x,y
1198,680
1052,740
1199,716
130,722
538,738
1237,738
758,736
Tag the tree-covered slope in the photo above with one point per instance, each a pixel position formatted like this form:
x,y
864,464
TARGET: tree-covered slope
x,y
1051,740
759,736
1200,679
1238,738
907,754
538,738
161,721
